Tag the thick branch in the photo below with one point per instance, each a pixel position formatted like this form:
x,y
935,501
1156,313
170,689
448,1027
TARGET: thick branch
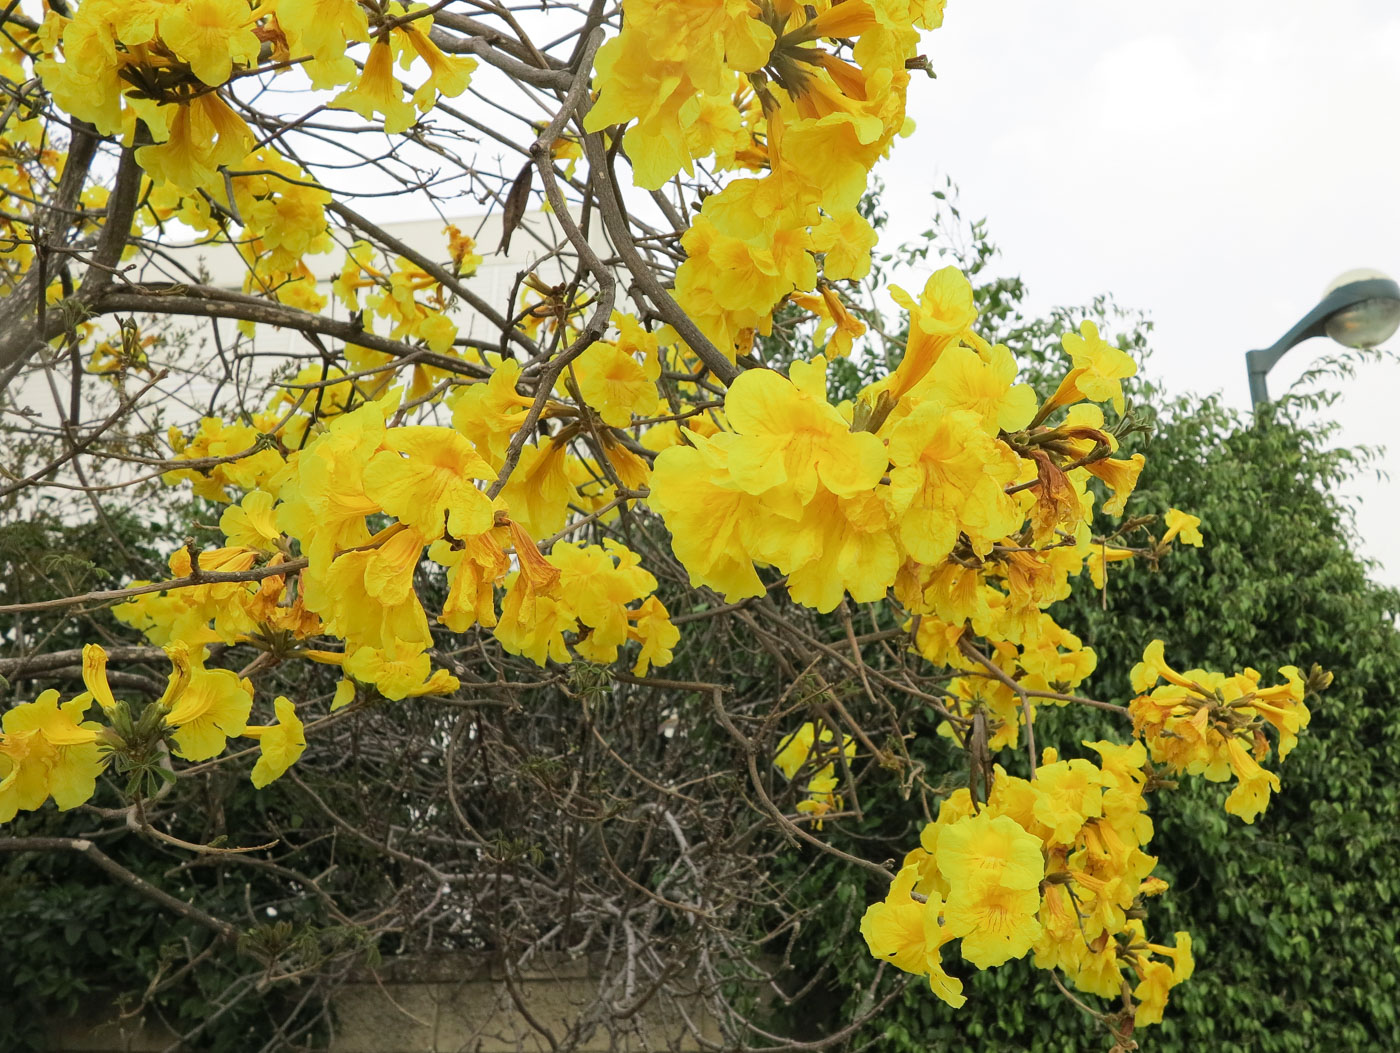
x,y
204,577
84,847
209,302
615,219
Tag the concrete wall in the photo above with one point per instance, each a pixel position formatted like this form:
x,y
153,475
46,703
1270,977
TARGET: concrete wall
x,y
451,1004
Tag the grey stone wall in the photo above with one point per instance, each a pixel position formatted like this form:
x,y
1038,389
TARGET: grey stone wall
x,y
454,1004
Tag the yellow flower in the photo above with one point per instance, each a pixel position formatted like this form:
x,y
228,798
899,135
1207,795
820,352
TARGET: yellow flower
x,y
473,570
210,35
1183,525
653,629
489,414
539,491
846,239
996,923
1101,555
344,695
463,250
613,382
447,75
251,522
1251,796
803,746
792,440
402,668
47,752
1121,766
949,478
739,264
836,545
205,134
844,327
707,515
325,503
322,29
95,676
937,321
1121,477
213,707
1151,993
668,54
596,591
1070,794
1097,372
894,929
426,479
533,616
281,743
982,382
909,935
980,849
367,596
379,91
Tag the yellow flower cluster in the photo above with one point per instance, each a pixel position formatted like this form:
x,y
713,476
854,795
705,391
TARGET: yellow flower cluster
x,y
1054,865
934,484
48,750
1210,724
365,504
174,53
823,96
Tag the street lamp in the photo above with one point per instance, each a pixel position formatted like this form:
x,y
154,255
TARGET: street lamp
x,y
1359,309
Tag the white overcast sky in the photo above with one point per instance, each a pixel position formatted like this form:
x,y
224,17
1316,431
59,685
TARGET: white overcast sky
x,y
1213,162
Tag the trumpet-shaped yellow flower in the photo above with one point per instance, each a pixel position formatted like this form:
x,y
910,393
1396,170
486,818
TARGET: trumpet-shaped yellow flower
x,y
322,29
1102,555
909,935
654,631
474,568
448,75
211,35
1097,373
707,514
327,506
45,751
539,491
280,744
204,134
489,414
793,441
614,383
1121,477
1180,524
937,321
95,676
379,91
213,707
983,848
949,477
1248,799
1070,794
996,923
400,669
805,746
251,523
534,616
426,479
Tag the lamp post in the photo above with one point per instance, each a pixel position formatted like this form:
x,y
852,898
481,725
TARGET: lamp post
x,y
1359,309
